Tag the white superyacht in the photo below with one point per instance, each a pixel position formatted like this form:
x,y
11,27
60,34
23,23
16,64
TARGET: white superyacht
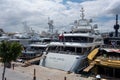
x,y
70,53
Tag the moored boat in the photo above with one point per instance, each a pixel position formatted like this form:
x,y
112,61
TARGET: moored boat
x,y
70,53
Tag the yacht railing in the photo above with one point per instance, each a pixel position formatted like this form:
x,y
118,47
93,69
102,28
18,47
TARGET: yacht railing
x,y
65,52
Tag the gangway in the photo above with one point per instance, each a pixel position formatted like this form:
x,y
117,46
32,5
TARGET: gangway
x,y
28,62
92,64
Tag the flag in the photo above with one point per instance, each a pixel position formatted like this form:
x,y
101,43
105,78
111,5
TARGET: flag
x,y
61,37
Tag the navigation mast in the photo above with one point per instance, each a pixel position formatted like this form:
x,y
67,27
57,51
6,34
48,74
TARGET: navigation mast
x,y
82,13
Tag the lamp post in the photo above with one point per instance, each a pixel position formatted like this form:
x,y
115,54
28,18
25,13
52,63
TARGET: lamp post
x,y
116,26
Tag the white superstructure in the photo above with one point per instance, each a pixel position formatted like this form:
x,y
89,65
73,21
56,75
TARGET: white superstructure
x,y
69,54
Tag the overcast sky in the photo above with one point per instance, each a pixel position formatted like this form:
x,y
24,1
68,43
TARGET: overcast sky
x,y
63,12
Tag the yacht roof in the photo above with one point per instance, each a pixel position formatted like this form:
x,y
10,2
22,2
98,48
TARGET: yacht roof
x,y
39,45
71,44
81,34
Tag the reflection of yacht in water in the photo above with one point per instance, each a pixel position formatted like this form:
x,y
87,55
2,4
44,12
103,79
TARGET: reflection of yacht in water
x,y
69,54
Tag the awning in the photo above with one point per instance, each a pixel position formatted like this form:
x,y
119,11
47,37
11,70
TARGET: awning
x,y
93,53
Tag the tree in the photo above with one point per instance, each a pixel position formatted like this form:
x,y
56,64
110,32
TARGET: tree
x,y
9,51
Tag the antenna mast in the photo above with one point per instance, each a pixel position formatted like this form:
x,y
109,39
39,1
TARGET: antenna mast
x,y
82,13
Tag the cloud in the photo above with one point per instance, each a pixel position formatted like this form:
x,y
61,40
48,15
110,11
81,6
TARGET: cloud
x,y
103,12
36,12
114,8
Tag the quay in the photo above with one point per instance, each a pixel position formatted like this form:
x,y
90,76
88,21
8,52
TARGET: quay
x,y
42,73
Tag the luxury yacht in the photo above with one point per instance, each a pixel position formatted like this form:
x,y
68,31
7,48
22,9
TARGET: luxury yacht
x,y
70,52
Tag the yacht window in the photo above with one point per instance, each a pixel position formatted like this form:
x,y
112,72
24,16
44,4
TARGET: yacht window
x,y
0,35
118,42
46,40
98,40
82,31
78,50
77,39
34,48
71,49
90,40
52,48
68,50
84,50
89,49
114,56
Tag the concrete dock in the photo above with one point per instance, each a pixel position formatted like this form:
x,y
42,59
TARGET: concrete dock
x,y
42,73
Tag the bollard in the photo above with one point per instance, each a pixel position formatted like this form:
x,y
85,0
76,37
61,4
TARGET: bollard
x,y
34,77
65,78
13,66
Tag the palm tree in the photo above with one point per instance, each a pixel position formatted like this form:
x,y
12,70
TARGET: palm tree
x,y
9,51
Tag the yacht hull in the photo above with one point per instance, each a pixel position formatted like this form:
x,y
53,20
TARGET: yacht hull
x,y
65,62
